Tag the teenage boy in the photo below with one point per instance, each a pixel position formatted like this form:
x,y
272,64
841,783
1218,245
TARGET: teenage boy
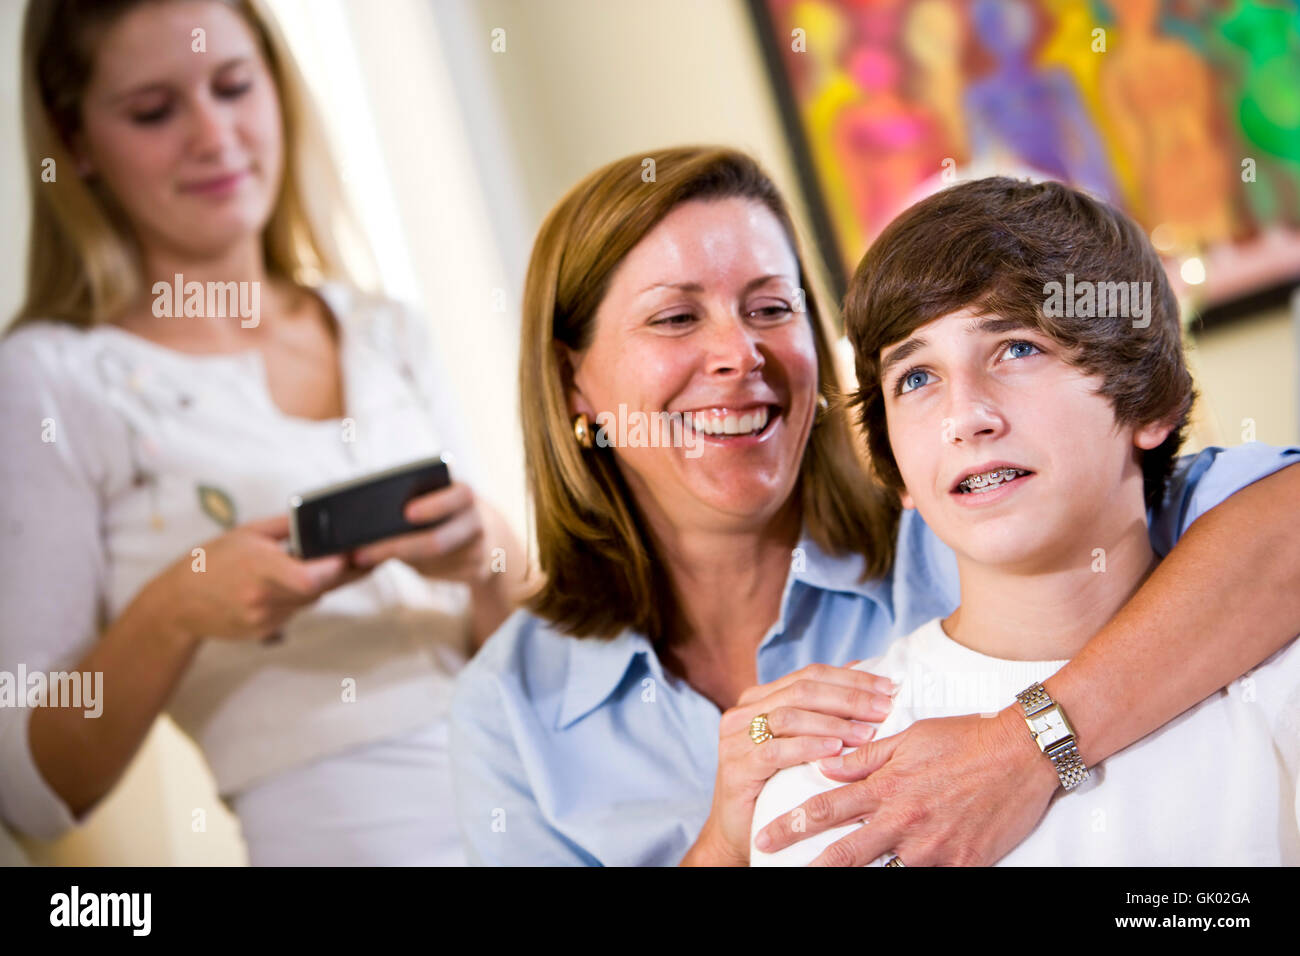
x,y
1031,412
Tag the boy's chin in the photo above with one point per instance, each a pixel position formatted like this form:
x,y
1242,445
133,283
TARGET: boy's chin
x,y
1005,550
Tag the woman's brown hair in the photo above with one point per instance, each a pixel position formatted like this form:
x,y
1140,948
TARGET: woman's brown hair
x,y
998,245
83,266
601,573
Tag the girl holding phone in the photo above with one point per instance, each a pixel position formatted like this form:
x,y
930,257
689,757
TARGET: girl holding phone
x,y
152,442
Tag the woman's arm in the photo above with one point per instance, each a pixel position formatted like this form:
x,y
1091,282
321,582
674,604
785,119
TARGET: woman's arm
x,y
1225,599
969,789
140,659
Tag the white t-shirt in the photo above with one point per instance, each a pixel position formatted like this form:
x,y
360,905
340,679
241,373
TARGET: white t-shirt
x,y
121,455
1215,786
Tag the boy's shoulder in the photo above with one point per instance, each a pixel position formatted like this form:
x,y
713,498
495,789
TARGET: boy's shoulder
x,y
903,654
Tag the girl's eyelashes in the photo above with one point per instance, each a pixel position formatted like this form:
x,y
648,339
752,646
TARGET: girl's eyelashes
x,y
225,90
152,117
908,380
234,90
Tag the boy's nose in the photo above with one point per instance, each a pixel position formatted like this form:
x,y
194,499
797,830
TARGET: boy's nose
x,y
972,415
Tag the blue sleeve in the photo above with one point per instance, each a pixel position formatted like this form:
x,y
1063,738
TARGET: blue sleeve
x,y
1208,478
501,823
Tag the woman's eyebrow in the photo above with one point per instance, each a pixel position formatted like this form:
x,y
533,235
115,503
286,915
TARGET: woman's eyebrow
x,y
696,287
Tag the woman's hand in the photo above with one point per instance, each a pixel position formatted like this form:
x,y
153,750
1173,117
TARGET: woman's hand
x,y
248,586
811,713
455,550
473,544
950,791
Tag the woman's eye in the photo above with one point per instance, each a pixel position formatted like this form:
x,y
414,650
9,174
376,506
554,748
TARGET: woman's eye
x,y
150,117
1021,349
234,91
674,321
912,380
775,310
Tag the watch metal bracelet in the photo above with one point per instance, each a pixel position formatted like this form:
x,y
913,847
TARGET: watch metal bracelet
x,y
1069,765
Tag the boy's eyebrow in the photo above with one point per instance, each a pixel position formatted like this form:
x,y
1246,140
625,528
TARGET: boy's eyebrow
x,y
900,353
994,324
991,324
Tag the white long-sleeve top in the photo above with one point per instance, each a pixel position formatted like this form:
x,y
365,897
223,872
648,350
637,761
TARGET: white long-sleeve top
x,y
1215,786
119,456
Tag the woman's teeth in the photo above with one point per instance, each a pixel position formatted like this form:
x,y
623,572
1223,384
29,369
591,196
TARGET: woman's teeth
x,y
987,481
729,423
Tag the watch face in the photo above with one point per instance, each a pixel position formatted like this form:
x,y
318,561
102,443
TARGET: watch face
x,y
1049,724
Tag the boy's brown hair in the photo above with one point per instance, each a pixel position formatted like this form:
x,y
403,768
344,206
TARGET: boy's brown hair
x,y
996,246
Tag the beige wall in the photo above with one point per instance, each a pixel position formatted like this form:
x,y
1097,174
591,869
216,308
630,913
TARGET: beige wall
x,y
1248,375
584,82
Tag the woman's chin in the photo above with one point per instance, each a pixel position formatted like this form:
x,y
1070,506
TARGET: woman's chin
x,y
742,505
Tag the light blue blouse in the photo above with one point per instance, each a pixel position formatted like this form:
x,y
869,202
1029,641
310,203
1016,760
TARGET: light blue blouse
x,y
570,751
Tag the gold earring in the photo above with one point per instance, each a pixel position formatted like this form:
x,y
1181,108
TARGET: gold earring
x,y
823,406
582,430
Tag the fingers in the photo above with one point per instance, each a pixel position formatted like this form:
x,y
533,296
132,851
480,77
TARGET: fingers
x,y
850,803
824,673
793,722
862,846
276,526
291,581
778,753
862,762
845,695
417,547
437,505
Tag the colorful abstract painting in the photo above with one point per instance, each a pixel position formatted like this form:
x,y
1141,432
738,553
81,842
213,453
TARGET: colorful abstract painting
x,y
1185,114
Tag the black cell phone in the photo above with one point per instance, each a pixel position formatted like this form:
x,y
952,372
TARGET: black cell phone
x,y
357,512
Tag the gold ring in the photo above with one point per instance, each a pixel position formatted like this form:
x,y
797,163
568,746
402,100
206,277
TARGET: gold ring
x,y
896,861
758,731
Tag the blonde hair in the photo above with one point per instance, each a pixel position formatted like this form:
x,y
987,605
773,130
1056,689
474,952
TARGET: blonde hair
x,y
601,572
83,266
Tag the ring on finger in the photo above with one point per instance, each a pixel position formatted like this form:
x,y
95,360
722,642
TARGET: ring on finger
x,y
758,730
896,861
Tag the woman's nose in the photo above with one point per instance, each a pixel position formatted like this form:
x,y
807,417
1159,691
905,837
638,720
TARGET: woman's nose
x,y
210,126
733,346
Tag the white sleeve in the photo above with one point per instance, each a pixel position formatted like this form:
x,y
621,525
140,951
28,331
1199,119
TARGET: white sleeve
x,y
52,569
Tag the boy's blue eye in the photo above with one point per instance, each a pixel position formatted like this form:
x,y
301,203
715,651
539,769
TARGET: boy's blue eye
x,y
1013,346
912,380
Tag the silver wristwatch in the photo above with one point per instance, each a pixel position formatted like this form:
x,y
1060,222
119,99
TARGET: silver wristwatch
x,y
1053,734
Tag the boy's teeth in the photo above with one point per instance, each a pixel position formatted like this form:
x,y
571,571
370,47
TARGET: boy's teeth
x,y
985,481
729,424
